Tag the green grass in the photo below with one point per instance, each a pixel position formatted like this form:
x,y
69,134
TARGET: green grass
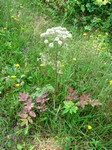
x,y
89,74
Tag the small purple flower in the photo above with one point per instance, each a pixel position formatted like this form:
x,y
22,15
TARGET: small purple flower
x,y
13,69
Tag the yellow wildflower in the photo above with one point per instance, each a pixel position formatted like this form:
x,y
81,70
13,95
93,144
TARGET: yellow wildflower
x,y
91,36
12,16
89,127
17,85
62,65
84,33
98,49
106,33
110,82
5,28
74,59
21,6
16,19
13,77
99,35
22,29
42,65
17,65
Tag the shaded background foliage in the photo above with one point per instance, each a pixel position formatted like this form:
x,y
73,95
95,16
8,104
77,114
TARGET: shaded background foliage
x,y
87,13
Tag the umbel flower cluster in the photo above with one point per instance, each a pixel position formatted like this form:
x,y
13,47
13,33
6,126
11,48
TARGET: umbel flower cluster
x,y
57,34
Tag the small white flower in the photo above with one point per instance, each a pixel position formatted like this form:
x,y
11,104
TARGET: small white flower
x,y
67,32
58,31
69,35
48,30
51,45
42,35
65,44
64,29
47,33
64,36
60,42
51,32
56,39
46,41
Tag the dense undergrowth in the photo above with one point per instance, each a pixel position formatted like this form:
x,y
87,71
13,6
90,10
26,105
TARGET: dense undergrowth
x,y
87,14
56,84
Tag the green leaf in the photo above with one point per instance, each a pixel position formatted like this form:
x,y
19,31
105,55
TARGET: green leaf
x,y
74,109
48,88
19,147
82,8
65,111
26,130
87,27
68,105
24,122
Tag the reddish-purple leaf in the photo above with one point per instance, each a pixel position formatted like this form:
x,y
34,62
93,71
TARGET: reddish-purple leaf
x,y
39,107
94,102
38,99
29,100
32,114
71,94
22,115
23,96
29,106
30,120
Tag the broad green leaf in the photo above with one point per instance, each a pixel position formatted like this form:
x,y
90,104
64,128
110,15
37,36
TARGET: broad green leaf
x,y
19,147
82,8
65,111
68,105
74,109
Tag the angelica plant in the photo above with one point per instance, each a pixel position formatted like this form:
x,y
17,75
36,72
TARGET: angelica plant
x,y
55,38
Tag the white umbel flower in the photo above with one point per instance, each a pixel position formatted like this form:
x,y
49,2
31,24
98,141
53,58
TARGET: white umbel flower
x,y
42,35
64,36
51,45
46,41
60,42
70,35
56,39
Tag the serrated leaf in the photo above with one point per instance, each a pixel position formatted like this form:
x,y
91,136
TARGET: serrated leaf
x,y
24,122
74,109
68,105
23,115
32,114
30,120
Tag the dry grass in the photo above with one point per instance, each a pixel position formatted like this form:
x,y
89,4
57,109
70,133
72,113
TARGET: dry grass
x,y
47,144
